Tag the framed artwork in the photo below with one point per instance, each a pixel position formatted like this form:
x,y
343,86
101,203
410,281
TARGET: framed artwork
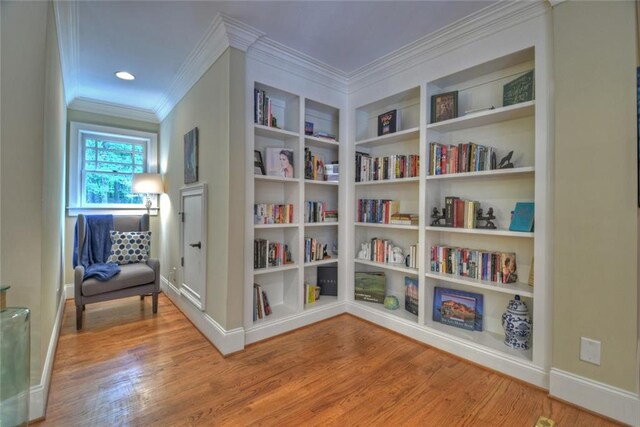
x,y
191,156
280,162
258,164
444,106
387,122
519,90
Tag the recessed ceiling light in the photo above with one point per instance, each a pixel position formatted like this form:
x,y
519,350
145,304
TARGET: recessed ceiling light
x,y
124,75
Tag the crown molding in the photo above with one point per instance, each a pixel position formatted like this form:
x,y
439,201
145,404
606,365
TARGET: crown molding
x,y
67,29
555,2
294,62
110,109
222,33
486,21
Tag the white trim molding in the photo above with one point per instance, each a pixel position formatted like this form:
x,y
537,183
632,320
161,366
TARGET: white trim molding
x,y
69,291
224,32
226,342
621,405
39,394
115,110
67,29
554,3
482,23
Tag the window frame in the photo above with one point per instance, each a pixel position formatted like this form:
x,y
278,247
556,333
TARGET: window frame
x,y
76,179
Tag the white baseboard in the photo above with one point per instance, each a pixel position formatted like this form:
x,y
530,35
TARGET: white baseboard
x,y
38,394
69,291
226,342
621,405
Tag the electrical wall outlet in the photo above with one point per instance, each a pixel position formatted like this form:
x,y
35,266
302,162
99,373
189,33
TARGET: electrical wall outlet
x,y
590,350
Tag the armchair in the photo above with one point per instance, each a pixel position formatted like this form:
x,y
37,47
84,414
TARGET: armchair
x,y
134,279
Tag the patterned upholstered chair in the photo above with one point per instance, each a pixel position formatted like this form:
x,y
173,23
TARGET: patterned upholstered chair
x,y
134,279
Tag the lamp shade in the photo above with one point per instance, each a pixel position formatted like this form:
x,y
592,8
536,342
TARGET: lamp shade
x,y
147,183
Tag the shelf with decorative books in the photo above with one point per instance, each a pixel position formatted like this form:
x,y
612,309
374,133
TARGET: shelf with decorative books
x,y
319,142
496,173
277,269
492,341
390,138
485,117
518,288
275,111
484,231
388,266
315,182
390,226
410,180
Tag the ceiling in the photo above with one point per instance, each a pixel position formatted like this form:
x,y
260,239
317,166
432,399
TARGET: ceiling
x,y
152,39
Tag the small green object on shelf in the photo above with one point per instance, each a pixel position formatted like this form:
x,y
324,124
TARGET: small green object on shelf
x,y
391,302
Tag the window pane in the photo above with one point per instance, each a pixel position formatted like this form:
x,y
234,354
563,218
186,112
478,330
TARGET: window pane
x,y
138,169
112,156
90,154
90,166
139,159
114,167
120,146
90,142
110,188
139,148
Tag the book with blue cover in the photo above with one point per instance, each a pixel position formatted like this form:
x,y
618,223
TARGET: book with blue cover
x,y
523,215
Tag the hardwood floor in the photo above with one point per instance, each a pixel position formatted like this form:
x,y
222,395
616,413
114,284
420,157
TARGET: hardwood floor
x,y
129,367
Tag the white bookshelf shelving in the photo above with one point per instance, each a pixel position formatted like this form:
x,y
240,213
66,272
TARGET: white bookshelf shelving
x,y
413,179
274,226
390,226
277,269
497,173
388,266
481,231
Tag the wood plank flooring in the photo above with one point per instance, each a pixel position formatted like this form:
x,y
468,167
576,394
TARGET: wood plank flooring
x,y
129,367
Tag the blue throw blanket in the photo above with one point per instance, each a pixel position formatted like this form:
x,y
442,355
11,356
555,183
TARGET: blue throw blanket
x,y
96,248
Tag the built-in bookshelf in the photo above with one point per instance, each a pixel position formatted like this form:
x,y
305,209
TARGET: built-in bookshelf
x,y
298,210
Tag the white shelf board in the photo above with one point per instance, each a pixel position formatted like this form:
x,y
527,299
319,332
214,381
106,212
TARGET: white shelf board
x,y
400,312
521,289
275,178
270,132
314,182
395,226
268,270
313,141
481,118
325,300
485,174
486,232
390,181
391,138
486,339
267,226
319,224
278,312
387,266
321,262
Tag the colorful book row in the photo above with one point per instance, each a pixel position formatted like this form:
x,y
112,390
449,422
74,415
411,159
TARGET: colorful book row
x,y
376,211
270,254
265,213
388,167
314,250
261,307
499,267
469,157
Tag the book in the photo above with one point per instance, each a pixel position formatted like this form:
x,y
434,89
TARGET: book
x,y
308,128
519,90
458,308
387,122
523,216
328,280
370,286
311,293
411,295
404,219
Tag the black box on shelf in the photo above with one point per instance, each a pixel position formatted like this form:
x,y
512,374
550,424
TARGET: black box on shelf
x,y
328,280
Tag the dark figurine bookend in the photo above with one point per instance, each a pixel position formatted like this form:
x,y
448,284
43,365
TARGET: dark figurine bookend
x,y
505,163
435,215
488,223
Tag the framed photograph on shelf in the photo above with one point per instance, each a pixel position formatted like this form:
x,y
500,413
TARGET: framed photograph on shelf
x,y
458,308
444,106
388,122
191,156
258,164
519,90
280,162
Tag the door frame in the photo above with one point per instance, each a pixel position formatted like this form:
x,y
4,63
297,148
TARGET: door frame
x,y
194,190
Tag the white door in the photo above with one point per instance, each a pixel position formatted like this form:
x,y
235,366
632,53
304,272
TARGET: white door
x,y
194,245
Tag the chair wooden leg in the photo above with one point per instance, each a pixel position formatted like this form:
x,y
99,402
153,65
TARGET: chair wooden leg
x,y
155,302
79,309
141,297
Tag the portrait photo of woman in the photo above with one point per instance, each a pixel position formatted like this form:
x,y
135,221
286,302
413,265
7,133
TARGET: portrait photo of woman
x,y
280,162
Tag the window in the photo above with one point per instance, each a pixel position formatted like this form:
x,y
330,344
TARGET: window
x,y
103,161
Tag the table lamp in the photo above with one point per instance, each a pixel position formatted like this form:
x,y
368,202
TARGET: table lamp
x,y
148,184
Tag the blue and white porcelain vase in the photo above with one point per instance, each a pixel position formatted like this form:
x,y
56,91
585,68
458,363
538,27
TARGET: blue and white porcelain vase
x,y
516,322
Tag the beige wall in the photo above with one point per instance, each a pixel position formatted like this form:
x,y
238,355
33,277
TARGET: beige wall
x,y
596,229
32,135
103,120
215,105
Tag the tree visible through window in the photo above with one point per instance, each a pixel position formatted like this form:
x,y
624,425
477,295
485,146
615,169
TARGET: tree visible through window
x,y
108,168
